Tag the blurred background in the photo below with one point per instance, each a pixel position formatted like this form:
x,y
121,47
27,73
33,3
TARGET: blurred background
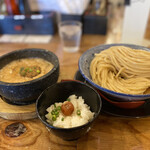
x,y
124,21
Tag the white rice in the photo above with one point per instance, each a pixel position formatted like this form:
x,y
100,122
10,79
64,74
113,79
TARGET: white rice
x,y
73,120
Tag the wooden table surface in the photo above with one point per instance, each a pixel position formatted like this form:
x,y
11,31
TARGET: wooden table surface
x,y
108,133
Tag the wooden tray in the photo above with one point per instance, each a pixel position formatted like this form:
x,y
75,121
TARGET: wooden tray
x,y
14,112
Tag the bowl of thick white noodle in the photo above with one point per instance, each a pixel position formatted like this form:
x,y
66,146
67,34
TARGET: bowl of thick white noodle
x,y
120,72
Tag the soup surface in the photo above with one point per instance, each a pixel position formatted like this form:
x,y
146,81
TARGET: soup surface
x,y
25,69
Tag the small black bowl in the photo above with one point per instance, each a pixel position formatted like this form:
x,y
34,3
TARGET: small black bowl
x,y
59,92
27,92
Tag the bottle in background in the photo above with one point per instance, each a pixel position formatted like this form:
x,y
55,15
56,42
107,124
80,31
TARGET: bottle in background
x,y
12,7
3,10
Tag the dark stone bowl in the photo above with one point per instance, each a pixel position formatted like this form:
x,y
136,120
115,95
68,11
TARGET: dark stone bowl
x,y
129,100
27,92
59,92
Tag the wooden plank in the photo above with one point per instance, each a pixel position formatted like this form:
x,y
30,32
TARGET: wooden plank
x,y
14,112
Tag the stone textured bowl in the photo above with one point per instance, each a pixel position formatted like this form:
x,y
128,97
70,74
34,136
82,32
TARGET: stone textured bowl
x,y
59,92
27,92
132,101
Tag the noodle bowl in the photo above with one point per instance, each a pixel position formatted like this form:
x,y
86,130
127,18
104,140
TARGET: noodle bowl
x,y
123,73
